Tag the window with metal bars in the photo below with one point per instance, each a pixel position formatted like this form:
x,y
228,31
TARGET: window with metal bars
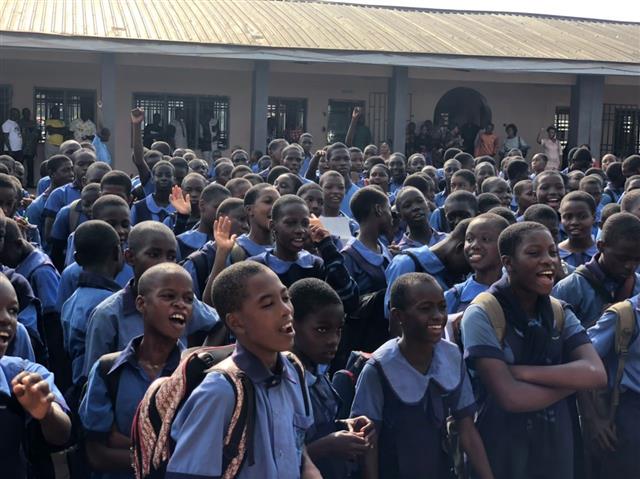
x,y
5,102
286,118
562,123
198,111
620,130
67,103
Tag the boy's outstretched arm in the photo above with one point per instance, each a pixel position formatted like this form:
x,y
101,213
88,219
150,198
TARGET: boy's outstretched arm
x,y
137,118
474,448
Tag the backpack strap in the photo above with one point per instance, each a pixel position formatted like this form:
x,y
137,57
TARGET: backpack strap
x,y
112,381
416,262
625,327
201,265
143,213
596,284
238,254
558,314
490,305
74,215
299,367
374,272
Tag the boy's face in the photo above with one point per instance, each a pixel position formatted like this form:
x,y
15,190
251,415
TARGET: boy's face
x,y
193,187
501,190
167,308
577,219
573,182
416,164
379,176
340,161
333,191
456,211
9,309
526,197
397,168
223,174
318,334
481,245
538,164
264,324
260,211
63,174
291,230
200,167
284,185
550,191
120,218
163,177
293,160
239,221
413,208
8,201
450,167
595,190
533,265
619,258
87,199
81,164
180,172
159,248
240,159
425,316
209,210
459,183
357,161
315,202
306,142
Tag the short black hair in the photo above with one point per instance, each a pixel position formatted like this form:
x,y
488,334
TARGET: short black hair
x,y
544,174
466,175
632,163
148,281
254,178
56,161
630,200
505,213
309,295
162,147
275,172
142,232
540,213
179,162
629,180
214,191
117,178
83,153
234,183
229,288
492,181
485,159
244,169
511,237
107,201
621,226
7,181
487,201
163,163
465,197
495,220
517,168
297,182
283,202
460,231
329,174
614,172
399,293
403,192
334,147
229,205
304,189
275,144
254,192
609,210
421,181
521,185
364,200
465,159
580,196
450,153
95,241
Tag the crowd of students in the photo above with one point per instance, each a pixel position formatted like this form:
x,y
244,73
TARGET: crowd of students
x,y
347,315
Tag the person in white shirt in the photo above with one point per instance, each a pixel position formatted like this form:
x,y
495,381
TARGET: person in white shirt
x,y
12,136
180,130
551,147
83,128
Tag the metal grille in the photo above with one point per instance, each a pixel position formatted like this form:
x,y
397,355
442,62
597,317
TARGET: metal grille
x,y
443,120
620,130
286,118
562,124
338,118
5,102
377,117
68,103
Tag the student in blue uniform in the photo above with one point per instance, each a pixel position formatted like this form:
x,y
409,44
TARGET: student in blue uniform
x,y
113,210
156,206
398,171
578,216
256,307
165,302
98,253
500,188
312,195
338,159
65,194
115,321
27,392
116,183
610,276
335,444
481,252
291,228
523,379
524,197
366,257
186,199
550,189
333,192
412,384
593,186
459,205
620,459
413,210
631,203
450,167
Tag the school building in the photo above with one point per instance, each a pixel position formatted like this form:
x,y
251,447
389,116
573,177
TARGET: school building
x,y
266,68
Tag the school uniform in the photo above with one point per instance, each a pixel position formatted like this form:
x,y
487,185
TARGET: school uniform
x,y
116,321
461,294
438,220
588,303
198,264
250,247
280,425
35,213
20,346
70,251
43,184
13,417
60,197
43,278
440,198
190,241
523,445
97,411
395,187
403,263
147,209
61,228
577,259
611,195
306,161
367,267
623,462
410,408
71,276
91,290
406,242
345,205
30,310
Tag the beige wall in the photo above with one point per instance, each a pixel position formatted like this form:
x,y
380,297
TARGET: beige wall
x,y
527,100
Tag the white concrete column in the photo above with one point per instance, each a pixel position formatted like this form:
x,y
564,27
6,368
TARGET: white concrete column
x,y
398,107
259,102
107,95
586,112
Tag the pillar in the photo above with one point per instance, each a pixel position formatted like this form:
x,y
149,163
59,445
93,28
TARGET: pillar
x,y
586,112
398,107
107,95
259,102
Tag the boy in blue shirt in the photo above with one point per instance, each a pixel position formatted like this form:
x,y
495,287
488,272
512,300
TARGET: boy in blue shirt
x,y
98,253
339,160
413,209
27,391
257,309
610,276
115,321
157,205
165,302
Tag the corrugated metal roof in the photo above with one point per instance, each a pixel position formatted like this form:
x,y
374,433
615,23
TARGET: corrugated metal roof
x,y
322,26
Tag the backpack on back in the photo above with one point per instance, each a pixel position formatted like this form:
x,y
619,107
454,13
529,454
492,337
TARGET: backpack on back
x,y
344,381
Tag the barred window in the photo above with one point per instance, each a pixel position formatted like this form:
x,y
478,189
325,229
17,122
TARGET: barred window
x,y
562,123
286,118
67,103
5,102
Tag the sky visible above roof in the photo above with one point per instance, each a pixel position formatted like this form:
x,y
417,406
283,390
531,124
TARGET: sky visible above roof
x,y
620,10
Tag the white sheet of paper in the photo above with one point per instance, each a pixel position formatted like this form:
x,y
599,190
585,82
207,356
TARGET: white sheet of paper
x,y
337,226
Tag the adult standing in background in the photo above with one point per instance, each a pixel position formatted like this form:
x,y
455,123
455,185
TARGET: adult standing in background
x,y
358,133
154,131
486,142
551,147
513,141
56,130
12,136
30,137
179,128
83,128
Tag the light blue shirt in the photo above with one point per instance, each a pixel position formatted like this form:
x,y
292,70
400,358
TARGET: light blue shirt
x,y
21,346
60,197
43,278
459,297
345,206
102,151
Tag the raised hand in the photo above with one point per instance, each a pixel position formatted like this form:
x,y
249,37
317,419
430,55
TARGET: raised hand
x,y
222,235
179,201
33,394
357,111
137,116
